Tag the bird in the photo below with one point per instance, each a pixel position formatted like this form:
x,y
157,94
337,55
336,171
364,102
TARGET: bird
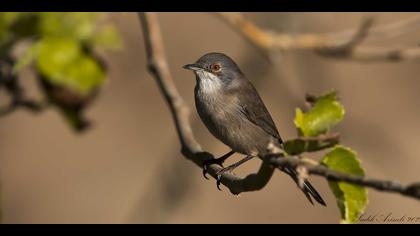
x,y
233,111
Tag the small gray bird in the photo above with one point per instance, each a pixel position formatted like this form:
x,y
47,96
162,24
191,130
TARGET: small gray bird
x,y
234,113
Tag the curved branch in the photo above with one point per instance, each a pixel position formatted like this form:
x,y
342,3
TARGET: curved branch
x,y
191,149
338,46
269,40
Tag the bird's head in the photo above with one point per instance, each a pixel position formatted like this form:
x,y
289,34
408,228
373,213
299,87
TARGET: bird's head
x,y
215,69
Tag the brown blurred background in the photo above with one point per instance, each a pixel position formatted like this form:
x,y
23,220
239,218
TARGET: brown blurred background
x,y
128,168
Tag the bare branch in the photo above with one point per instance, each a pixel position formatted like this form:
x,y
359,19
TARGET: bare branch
x,y
10,83
191,149
312,168
337,46
29,105
377,54
388,31
282,41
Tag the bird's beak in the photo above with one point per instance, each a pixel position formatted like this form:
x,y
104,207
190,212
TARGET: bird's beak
x,y
192,67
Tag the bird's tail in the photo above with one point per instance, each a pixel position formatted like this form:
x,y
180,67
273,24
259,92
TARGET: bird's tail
x,y
309,191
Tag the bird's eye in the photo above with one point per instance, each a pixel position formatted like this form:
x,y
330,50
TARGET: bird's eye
x,y
215,67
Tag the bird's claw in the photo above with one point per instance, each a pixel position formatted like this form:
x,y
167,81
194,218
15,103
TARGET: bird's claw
x,y
210,162
218,181
219,175
205,172
219,161
230,169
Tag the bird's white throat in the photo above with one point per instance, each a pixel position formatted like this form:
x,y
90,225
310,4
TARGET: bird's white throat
x,y
208,82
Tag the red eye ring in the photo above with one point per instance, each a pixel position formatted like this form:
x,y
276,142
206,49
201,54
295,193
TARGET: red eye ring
x,y
216,67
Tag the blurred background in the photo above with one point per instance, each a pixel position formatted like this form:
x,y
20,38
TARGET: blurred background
x,y
128,168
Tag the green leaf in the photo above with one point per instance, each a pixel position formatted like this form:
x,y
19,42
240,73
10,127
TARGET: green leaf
x,y
77,25
351,199
84,74
82,26
326,112
63,63
9,17
6,20
107,37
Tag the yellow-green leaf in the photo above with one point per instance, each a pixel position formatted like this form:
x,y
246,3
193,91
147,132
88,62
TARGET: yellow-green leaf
x,y
84,74
82,26
326,112
351,199
107,37
62,62
6,20
77,25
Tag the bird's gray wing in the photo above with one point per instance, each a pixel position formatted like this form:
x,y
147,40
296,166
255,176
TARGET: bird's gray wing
x,y
255,111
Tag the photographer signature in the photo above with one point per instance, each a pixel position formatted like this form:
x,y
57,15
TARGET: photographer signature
x,y
389,218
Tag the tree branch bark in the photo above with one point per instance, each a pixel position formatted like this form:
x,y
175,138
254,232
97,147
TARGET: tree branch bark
x,y
412,190
337,46
10,83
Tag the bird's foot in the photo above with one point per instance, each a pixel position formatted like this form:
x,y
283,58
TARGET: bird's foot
x,y
230,170
206,163
219,161
222,171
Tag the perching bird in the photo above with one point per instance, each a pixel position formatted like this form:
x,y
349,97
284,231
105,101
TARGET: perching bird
x,y
234,113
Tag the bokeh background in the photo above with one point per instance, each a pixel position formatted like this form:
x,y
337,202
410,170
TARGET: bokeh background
x,y
128,167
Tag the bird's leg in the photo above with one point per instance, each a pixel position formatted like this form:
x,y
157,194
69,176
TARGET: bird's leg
x,y
219,161
231,168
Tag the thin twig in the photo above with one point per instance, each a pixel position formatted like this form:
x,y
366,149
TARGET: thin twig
x,y
387,31
412,190
29,105
9,82
328,45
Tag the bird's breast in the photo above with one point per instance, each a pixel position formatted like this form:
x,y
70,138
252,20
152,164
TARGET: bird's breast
x,y
208,83
223,117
